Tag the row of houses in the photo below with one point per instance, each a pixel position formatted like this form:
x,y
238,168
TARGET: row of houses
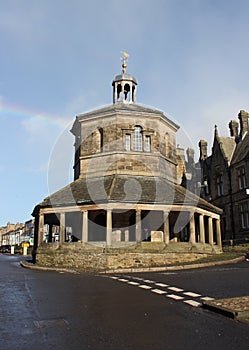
x,y
17,234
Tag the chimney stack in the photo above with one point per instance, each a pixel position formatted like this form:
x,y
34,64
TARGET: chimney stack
x,y
234,127
243,118
203,149
190,155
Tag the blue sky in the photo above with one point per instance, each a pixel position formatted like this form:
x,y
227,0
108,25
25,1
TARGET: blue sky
x,y
58,59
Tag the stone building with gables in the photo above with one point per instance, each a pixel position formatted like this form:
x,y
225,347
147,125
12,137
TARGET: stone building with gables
x,y
225,179
124,207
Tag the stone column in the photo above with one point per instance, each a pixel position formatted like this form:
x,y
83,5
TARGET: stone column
x,y
134,96
138,226
62,228
202,230
50,233
218,233
41,228
210,231
192,229
85,226
115,95
109,227
166,227
122,93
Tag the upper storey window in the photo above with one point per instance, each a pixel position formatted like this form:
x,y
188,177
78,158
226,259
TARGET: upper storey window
x,y
138,139
127,142
147,143
242,178
219,182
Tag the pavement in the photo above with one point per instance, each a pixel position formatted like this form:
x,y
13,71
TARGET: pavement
x,y
236,308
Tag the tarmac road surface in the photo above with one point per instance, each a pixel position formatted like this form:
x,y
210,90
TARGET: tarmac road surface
x,y
50,310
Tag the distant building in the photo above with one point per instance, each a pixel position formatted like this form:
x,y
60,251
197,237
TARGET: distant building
x,y
5,229
17,234
225,179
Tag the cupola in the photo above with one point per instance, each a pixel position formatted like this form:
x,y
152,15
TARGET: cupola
x,y
124,85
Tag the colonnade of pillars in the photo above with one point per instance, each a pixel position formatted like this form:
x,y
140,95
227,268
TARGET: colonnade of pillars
x,y
203,236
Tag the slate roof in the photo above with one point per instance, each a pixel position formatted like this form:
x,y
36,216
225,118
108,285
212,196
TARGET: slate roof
x,y
126,189
124,107
242,150
227,145
124,76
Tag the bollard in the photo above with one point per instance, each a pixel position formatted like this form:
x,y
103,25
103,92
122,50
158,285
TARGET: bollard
x,y
25,250
12,250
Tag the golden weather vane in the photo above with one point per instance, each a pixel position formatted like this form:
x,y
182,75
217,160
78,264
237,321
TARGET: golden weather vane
x,y
124,60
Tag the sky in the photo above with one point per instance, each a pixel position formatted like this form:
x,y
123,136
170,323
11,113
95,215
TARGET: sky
x,y
59,57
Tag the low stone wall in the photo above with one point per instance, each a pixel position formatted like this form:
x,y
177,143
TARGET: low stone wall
x,y
95,258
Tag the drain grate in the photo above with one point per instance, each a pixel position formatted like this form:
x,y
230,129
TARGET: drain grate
x,y
58,322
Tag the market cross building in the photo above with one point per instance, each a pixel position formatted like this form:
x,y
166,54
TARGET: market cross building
x,y
125,206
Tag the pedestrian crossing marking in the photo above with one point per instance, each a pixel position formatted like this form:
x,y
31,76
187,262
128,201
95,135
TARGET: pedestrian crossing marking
x,y
207,298
122,280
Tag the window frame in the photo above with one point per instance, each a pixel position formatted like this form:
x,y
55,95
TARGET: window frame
x,y
138,139
220,185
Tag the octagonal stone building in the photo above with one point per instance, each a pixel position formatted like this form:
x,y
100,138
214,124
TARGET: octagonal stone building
x,y
125,207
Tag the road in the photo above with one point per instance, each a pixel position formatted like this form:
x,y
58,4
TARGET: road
x,y
51,310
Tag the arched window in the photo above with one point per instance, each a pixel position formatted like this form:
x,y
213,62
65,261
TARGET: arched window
x,y
119,92
127,92
138,139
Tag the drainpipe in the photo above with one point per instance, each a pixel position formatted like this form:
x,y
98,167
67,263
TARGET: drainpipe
x,y
231,206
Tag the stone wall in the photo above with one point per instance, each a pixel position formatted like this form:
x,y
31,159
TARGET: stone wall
x,y
101,259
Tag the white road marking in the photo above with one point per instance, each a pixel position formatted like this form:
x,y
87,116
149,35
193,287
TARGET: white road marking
x,y
148,281
173,296
176,289
158,291
161,285
191,294
133,283
144,286
192,303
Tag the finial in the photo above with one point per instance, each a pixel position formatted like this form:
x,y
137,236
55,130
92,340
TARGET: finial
x,y
215,130
124,59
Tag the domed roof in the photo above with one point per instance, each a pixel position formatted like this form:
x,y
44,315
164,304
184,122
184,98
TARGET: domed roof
x,y
124,76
